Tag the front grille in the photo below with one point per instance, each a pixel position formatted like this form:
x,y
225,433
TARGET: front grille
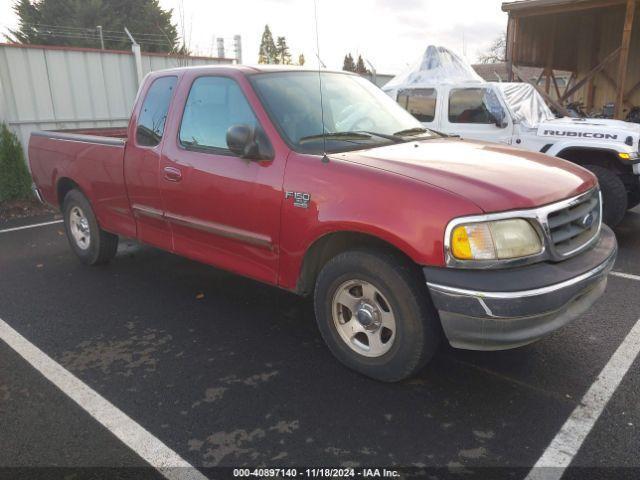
x,y
575,225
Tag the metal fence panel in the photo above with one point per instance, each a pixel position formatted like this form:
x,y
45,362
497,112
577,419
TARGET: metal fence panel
x,y
46,88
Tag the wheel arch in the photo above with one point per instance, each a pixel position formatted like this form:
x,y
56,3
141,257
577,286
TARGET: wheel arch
x,y
63,186
327,246
581,155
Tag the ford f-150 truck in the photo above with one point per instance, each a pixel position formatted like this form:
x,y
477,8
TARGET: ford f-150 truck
x,y
319,183
516,114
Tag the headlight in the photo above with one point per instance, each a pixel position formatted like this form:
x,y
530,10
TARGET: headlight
x,y
498,240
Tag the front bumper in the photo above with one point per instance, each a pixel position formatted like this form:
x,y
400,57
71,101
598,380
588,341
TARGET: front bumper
x,y
501,309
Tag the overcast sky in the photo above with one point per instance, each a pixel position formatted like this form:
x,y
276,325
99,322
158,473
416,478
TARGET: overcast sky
x,y
389,33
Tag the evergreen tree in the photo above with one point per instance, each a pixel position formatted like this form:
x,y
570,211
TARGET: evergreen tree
x,y
282,49
301,60
348,65
73,23
268,52
360,68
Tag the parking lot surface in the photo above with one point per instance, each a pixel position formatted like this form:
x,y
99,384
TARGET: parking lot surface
x,y
228,372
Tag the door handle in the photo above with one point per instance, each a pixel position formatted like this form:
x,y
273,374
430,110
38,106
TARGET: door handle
x,y
172,174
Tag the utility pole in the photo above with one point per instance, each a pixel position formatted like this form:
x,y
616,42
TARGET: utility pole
x,y
99,27
137,55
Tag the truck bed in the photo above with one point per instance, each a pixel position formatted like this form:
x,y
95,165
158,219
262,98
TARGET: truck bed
x,y
94,159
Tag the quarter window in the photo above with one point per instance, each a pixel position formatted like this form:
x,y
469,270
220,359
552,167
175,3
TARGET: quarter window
x,y
154,111
419,102
214,105
474,105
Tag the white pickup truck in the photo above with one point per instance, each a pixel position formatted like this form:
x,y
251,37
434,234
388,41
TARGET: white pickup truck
x,y
516,114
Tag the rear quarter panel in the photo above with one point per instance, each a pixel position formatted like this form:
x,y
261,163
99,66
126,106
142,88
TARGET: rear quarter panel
x,y
96,168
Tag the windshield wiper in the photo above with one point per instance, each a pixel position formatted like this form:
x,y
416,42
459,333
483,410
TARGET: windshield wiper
x,y
337,136
410,131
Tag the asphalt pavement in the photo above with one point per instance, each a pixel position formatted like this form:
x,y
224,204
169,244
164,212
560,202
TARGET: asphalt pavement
x,y
228,372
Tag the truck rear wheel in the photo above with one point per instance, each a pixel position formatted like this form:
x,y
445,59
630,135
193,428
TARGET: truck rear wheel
x,y
375,315
614,195
90,243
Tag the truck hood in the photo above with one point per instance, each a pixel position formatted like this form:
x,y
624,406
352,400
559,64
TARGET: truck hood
x,y
494,177
600,129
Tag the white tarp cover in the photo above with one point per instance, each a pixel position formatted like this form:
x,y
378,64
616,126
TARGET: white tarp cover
x,y
436,65
526,104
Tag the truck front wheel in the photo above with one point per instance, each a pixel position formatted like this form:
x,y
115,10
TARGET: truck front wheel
x,y
614,194
91,244
374,313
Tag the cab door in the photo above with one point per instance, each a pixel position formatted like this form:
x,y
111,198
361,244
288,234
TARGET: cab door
x,y
476,113
223,210
142,162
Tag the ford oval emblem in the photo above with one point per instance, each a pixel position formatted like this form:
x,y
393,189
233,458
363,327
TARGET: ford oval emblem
x,y
587,220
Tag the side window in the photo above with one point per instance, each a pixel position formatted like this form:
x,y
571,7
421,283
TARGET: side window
x,y
474,105
214,105
154,111
419,102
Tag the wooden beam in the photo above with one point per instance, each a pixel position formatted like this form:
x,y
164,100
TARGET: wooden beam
x,y
591,73
631,91
624,56
614,84
596,42
555,84
512,32
537,10
557,105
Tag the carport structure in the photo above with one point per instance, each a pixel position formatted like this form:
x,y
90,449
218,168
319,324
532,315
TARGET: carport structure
x,y
597,40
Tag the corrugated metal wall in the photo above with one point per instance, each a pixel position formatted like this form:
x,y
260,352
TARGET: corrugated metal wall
x,y
56,88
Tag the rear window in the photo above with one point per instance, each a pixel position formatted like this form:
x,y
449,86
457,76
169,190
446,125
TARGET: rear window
x,y
474,105
154,111
419,102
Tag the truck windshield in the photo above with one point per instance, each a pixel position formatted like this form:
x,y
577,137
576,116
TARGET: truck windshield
x,y
357,114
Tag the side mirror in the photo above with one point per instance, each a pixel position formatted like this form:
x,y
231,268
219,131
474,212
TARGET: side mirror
x,y
248,142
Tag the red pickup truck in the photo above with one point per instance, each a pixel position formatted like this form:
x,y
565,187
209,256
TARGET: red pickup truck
x,y
320,184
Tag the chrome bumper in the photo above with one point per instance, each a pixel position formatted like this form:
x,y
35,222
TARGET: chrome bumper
x,y
508,317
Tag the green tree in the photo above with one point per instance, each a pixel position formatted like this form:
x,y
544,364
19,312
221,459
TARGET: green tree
x,y
282,51
15,181
360,68
301,60
268,52
73,23
348,65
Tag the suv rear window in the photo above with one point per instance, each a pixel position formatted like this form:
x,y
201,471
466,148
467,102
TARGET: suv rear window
x,y
419,102
154,111
474,105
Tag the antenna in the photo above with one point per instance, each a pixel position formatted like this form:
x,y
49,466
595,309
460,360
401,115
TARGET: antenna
x,y
325,159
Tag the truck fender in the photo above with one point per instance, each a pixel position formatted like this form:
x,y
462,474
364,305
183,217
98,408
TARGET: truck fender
x,y
557,148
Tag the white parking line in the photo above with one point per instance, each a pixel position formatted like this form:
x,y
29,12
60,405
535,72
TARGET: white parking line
x,y
35,225
628,276
565,445
134,436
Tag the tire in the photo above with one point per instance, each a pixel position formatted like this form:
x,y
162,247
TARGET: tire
x,y
614,195
91,244
633,199
384,285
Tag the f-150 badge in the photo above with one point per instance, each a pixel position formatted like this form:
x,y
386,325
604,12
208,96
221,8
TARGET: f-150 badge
x,y
300,199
